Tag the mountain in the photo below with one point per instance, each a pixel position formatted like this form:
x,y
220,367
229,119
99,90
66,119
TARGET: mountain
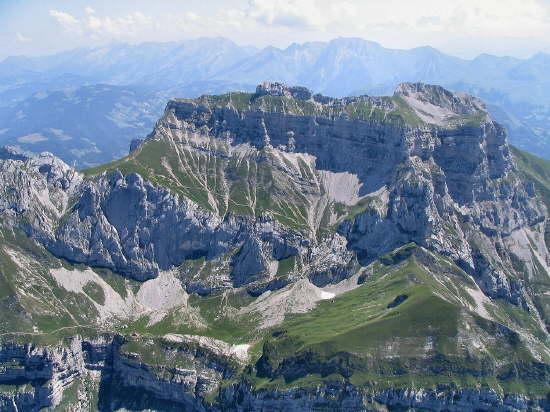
x,y
89,125
146,75
282,249
103,119
122,64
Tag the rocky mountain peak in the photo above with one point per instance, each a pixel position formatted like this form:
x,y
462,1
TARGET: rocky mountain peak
x,y
435,104
406,211
281,89
11,153
45,163
412,104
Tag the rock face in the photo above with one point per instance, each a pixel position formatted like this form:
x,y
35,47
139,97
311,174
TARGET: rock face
x,y
253,206
338,397
137,229
431,166
35,187
48,371
448,181
128,224
123,382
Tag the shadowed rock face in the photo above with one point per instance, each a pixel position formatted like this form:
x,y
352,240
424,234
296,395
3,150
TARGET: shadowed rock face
x,y
449,172
267,204
137,229
432,168
366,148
369,147
121,380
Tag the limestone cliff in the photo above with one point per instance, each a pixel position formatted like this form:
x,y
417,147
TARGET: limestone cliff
x,y
237,211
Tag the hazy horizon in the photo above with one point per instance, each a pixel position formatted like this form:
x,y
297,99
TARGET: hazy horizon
x,y
464,29
259,48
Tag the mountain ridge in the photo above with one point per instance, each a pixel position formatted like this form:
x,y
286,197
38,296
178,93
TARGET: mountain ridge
x,y
515,88
313,252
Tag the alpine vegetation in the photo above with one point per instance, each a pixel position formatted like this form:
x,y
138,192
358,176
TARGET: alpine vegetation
x,y
282,250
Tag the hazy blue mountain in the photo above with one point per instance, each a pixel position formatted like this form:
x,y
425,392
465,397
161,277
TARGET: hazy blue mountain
x,y
121,64
517,90
83,125
93,124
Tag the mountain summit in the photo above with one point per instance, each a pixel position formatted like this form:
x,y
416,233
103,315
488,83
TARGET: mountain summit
x,y
281,249
86,105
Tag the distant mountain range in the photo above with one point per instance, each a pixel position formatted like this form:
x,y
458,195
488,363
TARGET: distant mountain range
x,y
96,100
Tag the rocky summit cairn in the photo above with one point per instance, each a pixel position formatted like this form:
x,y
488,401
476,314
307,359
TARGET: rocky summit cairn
x,y
316,252
281,90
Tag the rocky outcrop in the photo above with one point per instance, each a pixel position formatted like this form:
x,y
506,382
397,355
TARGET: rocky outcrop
x,y
447,178
123,381
45,371
129,225
274,195
338,396
431,166
35,189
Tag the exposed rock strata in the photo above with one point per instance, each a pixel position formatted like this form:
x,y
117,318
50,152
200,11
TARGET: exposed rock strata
x,y
448,184
279,198
124,382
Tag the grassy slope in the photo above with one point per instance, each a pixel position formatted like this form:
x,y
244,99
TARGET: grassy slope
x,y
427,339
382,109
254,184
357,337
387,109
245,187
353,331
535,170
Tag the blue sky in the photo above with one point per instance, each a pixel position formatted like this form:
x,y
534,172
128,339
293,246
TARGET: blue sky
x,y
460,27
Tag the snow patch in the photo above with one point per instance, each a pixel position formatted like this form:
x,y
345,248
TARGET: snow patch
x,y
327,295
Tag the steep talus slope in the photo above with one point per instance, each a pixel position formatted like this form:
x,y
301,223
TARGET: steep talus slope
x,y
436,166
315,253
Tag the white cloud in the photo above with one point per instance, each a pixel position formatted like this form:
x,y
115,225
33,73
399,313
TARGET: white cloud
x,y
471,17
21,38
125,27
488,25
286,12
191,16
466,28
296,13
67,21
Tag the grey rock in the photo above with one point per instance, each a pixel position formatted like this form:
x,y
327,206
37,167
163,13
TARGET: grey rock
x,y
125,382
135,143
447,183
